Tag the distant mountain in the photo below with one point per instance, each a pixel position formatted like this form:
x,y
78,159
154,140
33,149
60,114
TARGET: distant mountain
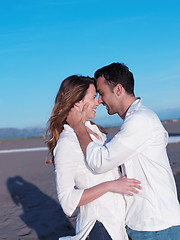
x,y
108,120
21,133
115,120
172,125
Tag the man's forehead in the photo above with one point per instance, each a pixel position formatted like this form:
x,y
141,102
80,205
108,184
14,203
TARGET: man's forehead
x,y
101,83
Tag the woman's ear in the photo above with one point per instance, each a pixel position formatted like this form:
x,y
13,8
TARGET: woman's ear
x,y
76,104
118,89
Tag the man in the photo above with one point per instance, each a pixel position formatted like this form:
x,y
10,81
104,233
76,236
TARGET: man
x,y
140,148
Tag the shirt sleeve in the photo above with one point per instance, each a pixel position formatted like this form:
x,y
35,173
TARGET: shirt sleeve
x,y
133,135
66,162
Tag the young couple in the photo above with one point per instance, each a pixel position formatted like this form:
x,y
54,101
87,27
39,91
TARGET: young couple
x,y
142,201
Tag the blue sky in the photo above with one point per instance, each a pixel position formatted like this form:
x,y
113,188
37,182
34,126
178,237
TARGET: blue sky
x,y
42,42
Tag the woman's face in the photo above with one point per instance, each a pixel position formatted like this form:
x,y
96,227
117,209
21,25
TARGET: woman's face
x,y
90,98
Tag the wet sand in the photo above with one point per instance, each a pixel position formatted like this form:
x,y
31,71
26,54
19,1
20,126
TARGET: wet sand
x,y
29,205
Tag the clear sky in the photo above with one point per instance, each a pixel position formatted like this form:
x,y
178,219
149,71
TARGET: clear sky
x,y
43,41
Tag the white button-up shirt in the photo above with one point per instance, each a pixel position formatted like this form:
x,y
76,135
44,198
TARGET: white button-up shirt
x,y
140,147
73,176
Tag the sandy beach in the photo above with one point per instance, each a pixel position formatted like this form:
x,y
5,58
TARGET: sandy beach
x,y
29,206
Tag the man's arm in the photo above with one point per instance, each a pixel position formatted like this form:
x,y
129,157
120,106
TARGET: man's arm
x,y
83,137
132,136
125,145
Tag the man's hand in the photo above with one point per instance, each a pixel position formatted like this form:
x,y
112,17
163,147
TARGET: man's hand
x,y
125,185
76,119
77,116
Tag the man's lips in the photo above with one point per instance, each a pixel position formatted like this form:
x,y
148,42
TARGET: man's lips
x,y
106,106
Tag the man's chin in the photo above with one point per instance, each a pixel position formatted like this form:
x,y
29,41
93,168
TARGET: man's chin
x,y
110,112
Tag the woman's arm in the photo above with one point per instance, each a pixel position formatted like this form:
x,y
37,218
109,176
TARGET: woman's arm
x,y
122,185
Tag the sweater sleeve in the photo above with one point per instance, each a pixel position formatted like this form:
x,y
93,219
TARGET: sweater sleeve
x,y
66,159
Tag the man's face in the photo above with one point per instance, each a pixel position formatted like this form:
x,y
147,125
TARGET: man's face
x,y
106,96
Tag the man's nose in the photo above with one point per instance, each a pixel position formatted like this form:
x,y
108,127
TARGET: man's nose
x,y
100,99
97,103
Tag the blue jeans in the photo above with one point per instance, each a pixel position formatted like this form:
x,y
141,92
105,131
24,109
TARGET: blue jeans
x,y
172,233
98,232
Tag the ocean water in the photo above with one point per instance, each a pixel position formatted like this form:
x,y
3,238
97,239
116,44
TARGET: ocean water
x,y
174,139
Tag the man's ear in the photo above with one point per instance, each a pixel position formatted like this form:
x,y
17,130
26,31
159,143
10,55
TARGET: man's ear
x,y
118,89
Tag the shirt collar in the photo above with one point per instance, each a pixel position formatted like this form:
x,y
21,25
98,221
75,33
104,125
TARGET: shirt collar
x,y
67,127
134,106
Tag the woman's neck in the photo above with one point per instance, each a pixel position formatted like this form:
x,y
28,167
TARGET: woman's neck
x,y
91,132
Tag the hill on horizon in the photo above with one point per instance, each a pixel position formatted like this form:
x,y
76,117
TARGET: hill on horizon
x,y
21,133
172,126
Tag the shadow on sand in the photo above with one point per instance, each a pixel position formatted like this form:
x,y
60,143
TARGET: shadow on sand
x,y
40,212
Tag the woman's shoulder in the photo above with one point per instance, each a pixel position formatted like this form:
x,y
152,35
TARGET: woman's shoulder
x,y
67,139
99,127
98,130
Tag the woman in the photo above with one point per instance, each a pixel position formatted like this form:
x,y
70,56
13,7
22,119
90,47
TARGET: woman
x,y
102,208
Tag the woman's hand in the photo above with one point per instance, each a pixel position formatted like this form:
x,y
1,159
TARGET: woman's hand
x,y
125,185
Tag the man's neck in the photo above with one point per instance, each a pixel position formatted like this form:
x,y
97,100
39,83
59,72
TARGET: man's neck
x,y
129,101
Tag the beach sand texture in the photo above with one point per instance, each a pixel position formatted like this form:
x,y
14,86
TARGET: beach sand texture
x,y
29,206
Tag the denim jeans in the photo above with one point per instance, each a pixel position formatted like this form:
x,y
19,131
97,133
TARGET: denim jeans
x,y
172,233
98,232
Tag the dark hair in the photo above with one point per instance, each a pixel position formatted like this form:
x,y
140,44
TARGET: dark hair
x,y
72,90
117,73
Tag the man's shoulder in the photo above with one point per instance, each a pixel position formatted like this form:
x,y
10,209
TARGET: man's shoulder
x,y
141,113
142,117
145,113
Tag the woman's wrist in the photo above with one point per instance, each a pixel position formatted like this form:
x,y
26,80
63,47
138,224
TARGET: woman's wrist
x,y
109,186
